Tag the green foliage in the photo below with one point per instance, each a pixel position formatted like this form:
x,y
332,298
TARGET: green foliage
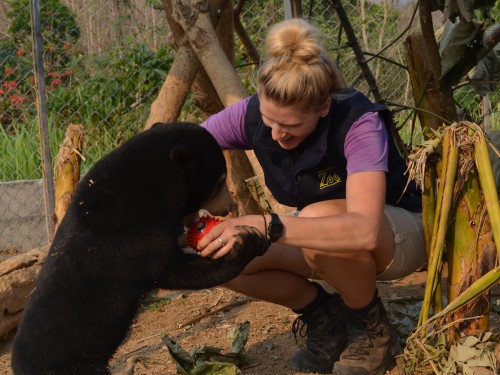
x,y
110,95
58,26
113,89
495,11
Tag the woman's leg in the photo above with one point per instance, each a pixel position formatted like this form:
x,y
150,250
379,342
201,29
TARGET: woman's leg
x,y
371,341
353,275
279,276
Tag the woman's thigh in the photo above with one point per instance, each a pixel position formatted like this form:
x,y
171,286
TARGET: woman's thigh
x,y
380,258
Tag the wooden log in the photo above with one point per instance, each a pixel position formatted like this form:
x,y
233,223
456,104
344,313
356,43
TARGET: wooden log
x,y
17,280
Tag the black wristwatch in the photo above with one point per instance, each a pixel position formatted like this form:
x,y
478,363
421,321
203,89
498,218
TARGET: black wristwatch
x,y
275,228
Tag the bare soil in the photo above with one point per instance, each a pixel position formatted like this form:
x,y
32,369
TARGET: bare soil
x,y
197,318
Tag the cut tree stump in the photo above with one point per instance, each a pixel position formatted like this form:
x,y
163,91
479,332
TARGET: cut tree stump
x,y
17,280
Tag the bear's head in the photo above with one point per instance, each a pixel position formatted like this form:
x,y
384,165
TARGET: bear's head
x,y
168,172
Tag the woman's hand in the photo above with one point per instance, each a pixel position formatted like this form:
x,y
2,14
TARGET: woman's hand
x,y
220,240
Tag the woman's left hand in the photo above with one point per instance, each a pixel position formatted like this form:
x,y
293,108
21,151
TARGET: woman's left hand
x,y
220,240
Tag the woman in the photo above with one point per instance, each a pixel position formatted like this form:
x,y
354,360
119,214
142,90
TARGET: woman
x,y
328,152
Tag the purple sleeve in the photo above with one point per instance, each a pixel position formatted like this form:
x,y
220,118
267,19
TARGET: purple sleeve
x,y
365,145
228,126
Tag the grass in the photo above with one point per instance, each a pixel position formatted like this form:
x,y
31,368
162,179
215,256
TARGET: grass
x,y
20,148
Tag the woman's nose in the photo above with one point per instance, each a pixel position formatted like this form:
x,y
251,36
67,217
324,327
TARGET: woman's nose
x,y
277,133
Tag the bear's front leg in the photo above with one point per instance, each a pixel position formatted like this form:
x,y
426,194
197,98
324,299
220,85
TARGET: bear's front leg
x,y
192,271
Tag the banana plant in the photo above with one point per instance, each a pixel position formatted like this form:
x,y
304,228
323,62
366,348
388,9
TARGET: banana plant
x,y
461,219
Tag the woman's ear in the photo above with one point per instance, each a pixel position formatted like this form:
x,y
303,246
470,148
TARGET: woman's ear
x,y
325,108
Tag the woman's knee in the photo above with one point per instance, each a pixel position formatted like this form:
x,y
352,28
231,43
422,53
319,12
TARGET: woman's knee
x,y
321,261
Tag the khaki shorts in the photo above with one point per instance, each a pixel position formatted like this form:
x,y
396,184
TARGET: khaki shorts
x,y
409,252
409,248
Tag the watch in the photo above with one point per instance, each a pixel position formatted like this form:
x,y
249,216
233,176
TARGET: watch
x,y
275,228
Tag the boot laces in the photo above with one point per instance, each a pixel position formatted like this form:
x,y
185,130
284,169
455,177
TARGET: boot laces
x,y
300,327
361,336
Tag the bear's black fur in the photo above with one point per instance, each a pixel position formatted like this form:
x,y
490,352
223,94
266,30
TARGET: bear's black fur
x,y
118,241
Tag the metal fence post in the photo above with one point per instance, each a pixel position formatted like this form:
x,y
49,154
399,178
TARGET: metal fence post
x,y
48,180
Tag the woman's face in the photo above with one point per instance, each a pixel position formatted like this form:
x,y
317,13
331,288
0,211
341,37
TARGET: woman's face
x,y
290,125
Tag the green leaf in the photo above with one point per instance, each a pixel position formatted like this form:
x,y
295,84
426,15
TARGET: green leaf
x,y
216,368
183,360
238,337
209,360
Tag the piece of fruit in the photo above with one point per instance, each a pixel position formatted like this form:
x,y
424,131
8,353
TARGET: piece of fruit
x,y
199,228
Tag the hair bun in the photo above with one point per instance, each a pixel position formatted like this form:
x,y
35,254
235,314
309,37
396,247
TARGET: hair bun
x,y
293,42
297,70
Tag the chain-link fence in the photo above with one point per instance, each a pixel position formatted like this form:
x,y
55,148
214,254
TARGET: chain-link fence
x,y
104,63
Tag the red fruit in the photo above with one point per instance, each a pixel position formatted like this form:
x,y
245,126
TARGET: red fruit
x,y
199,228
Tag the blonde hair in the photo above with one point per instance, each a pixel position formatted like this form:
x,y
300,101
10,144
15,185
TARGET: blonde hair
x,y
297,70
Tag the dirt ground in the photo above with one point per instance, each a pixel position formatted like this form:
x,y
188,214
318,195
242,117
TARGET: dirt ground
x,y
197,318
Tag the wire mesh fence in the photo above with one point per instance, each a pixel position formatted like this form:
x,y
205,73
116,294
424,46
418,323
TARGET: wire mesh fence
x,y
104,63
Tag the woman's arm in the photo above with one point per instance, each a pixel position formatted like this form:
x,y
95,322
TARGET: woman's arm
x,y
357,229
228,126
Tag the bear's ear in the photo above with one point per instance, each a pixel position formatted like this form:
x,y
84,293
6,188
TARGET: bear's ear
x,y
181,156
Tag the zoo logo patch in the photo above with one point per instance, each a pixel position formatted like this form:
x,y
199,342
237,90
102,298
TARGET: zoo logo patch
x,y
328,178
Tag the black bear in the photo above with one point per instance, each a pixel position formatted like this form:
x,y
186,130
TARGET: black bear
x,y
118,241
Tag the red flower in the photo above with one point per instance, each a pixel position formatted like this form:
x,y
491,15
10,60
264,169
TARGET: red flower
x,y
9,71
56,82
19,52
17,100
10,84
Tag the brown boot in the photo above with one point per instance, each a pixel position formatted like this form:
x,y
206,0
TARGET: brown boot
x,y
325,329
372,343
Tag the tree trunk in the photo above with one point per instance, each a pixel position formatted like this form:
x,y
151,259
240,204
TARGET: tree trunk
x,y
172,96
203,39
425,91
67,170
168,105
441,102
252,51
190,22
205,96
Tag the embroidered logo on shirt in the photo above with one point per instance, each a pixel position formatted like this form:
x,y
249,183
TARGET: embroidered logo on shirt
x,y
328,178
